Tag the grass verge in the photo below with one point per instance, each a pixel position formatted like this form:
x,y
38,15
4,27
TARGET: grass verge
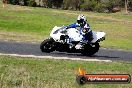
x,y
17,72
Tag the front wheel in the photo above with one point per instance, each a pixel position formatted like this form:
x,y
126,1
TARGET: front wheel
x,y
47,45
90,50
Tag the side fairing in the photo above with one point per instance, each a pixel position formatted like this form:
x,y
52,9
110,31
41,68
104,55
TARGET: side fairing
x,y
55,34
74,34
97,36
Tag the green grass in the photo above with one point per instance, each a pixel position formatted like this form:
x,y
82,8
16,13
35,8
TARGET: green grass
x,y
16,72
35,24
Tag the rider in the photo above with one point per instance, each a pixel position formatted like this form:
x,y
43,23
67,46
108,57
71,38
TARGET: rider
x,y
85,30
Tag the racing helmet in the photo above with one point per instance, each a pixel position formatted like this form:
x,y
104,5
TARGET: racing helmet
x,y
81,19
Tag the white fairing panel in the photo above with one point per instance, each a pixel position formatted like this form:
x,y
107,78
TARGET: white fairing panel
x,y
74,34
57,35
97,35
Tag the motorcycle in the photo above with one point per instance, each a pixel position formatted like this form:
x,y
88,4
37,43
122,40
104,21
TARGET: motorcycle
x,y
68,40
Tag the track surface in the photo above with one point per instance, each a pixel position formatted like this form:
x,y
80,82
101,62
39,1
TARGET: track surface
x,y
33,49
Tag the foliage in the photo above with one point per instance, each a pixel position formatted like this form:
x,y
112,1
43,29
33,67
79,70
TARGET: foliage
x,y
72,4
15,2
32,3
89,5
57,3
23,2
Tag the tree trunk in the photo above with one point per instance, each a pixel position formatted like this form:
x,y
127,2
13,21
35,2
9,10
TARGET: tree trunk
x,y
126,3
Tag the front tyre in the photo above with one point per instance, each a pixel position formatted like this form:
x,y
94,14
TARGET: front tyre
x,y
90,50
47,45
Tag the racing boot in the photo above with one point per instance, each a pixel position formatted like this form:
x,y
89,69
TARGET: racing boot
x,y
79,46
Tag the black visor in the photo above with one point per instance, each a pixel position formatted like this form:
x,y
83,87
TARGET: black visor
x,y
80,21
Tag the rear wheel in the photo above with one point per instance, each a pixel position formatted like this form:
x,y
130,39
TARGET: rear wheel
x,y
90,50
47,45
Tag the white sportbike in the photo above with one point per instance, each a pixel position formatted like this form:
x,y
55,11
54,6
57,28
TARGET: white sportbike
x,y
67,40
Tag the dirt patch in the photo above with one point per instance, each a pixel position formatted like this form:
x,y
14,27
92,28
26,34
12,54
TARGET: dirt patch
x,y
20,8
12,36
93,16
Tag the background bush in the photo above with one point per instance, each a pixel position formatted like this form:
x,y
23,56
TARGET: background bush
x,y
88,5
32,3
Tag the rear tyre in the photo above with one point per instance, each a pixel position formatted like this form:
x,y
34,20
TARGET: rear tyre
x,y
90,50
47,45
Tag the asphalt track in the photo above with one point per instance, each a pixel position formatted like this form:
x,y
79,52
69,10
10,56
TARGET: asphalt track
x,y
7,47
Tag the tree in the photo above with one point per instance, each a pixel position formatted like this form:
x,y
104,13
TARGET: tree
x,y
57,3
126,3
